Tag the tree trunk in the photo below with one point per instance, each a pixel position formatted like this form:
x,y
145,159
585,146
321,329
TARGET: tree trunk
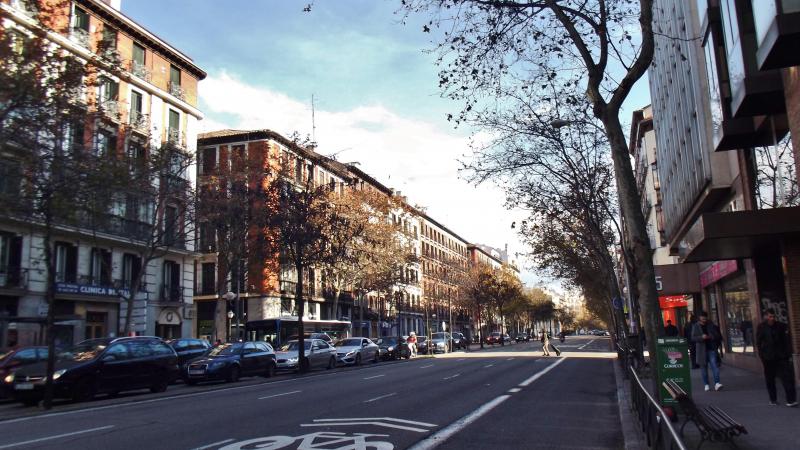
x,y
636,230
302,365
335,304
47,401
135,284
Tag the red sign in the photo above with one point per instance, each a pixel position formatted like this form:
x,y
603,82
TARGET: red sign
x,y
717,271
672,301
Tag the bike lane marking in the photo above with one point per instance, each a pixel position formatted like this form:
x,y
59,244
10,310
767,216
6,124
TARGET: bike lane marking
x,y
378,398
584,345
214,444
57,436
425,367
279,395
376,376
451,376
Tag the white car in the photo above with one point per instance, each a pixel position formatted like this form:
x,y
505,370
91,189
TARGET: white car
x,y
318,353
356,350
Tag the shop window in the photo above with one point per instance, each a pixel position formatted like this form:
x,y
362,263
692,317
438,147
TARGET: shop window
x,y
739,316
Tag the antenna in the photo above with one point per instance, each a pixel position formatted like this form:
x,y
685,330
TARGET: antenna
x,y
313,124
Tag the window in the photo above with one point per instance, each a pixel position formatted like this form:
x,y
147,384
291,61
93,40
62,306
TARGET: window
x,y
138,55
117,352
108,41
209,155
173,132
66,262
80,20
137,104
209,275
207,238
10,179
131,266
136,157
140,349
174,76
105,143
10,259
170,225
100,267
171,276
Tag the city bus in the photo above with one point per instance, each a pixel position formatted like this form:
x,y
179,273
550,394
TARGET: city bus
x,y
279,330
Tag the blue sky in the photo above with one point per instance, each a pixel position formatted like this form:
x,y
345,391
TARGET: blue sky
x,y
376,89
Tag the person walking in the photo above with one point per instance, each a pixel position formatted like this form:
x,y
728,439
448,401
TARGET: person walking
x,y
775,351
707,337
545,343
687,333
670,330
412,344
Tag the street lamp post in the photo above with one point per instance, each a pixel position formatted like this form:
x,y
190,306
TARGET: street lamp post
x,y
229,296
230,324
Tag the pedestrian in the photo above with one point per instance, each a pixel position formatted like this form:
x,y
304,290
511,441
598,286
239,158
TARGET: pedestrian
x,y
687,333
775,350
412,344
218,343
545,343
670,330
708,338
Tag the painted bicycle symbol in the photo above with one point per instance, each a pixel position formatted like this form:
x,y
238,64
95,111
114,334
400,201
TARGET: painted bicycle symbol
x,y
322,440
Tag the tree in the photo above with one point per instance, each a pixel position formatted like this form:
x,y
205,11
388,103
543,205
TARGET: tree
x,y
497,54
478,287
507,289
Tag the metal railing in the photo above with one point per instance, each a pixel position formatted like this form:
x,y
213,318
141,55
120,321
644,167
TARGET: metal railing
x,y
176,90
655,423
80,36
139,121
171,294
14,277
141,71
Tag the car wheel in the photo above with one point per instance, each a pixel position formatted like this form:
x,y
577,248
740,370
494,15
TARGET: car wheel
x,y
233,374
83,390
332,362
160,385
358,359
270,370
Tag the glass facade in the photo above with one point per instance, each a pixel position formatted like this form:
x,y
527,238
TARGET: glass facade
x,y
739,316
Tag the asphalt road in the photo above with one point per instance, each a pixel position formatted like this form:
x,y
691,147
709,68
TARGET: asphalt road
x,y
505,397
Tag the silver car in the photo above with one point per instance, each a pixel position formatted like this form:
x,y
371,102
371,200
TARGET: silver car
x,y
318,353
355,350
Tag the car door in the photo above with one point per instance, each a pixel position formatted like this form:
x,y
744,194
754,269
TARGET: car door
x,y
250,359
143,364
115,372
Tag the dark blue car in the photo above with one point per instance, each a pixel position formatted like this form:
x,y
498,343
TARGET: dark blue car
x,y
230,361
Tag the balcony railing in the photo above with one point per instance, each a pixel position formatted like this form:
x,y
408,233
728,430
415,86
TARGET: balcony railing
x,y
289,287
176,138
110,108
80,36
176,90
111,55
26,7
139,121
14,277
126,284
128,228
171,294
141,71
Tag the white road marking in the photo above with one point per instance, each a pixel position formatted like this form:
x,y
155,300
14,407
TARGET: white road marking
x,y
584,345
442,435
425,367
487,366
379,424
279,395
451,376
461,359
390,419
514,390
378,398
509,359
214,444
376,376
49,438
539,374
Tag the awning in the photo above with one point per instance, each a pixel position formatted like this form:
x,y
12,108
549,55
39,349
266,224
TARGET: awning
x,y
677,279
733,235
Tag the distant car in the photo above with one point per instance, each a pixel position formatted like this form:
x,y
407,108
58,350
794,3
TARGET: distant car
x,y
422,345
460,341
493,338
441,342
13,360
356,350
230,361
108,365
188,349
523,337
506,338
390,348
317,351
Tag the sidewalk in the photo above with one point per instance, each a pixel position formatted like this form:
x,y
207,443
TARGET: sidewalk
x,y
744,398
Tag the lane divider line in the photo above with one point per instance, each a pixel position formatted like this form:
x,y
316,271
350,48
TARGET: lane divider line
x,y
215,444
376,376
487,366
378,398
425,367
539,374
509,359
367,422
451,377
584,345
444,434
514,390
279,395
50,438
390,419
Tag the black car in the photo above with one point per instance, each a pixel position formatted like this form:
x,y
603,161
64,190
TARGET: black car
x,y
230,361
389,348
188,349
460,341
13,360
523,337
109,365
422,345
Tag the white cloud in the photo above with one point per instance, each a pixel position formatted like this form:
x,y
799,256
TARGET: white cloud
x,y
418,158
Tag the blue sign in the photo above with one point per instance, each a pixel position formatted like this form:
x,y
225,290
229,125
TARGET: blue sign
x,y
90,289
617,302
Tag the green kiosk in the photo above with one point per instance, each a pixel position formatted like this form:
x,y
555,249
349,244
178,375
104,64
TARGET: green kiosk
x,y
673,364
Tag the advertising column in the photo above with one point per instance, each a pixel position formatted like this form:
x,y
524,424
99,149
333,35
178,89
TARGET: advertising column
x,y
673,364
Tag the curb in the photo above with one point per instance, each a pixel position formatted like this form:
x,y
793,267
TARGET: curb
x,y
630,433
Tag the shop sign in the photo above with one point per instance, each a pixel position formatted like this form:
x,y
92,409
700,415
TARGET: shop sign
x,y
717,271
89,289
672,356
672,301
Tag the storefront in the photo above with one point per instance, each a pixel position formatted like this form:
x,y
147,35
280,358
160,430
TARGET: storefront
x,y
168,325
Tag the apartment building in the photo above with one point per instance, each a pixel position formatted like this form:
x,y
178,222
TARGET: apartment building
x,y
146,94
724,89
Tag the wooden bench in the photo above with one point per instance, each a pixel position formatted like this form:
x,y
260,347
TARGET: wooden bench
x,y
713,423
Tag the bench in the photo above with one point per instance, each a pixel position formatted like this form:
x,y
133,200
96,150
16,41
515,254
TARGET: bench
x,y
713,423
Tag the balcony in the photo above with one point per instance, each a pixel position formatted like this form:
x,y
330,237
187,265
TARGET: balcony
x,y
139,122
110,55
126,284
79,36
289,287
127,228
176,90
13,277
141,71
176,138
171,294
26,7
777,24
110,109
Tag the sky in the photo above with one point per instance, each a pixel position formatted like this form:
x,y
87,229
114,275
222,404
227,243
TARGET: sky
x,y
375,89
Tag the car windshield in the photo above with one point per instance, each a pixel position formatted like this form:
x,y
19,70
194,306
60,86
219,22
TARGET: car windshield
x,y
388,341
438,336
349,343
85,351
226,349
293,346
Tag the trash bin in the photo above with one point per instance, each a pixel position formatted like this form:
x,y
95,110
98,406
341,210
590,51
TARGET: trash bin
x,y
673,363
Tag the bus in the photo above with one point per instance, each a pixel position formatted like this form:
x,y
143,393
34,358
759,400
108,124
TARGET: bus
x,y
279,330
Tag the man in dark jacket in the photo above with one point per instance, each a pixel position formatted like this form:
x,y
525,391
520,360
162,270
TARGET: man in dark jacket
x,y
708,338
687,333
670,330
775,350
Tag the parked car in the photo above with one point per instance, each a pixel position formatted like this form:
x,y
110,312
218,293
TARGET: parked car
x,y
355,350
441,342
493,338
230,361
188,349
506,338
108,365
460,341
389,348
317,351
13,360
523,337
324,336
422,345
